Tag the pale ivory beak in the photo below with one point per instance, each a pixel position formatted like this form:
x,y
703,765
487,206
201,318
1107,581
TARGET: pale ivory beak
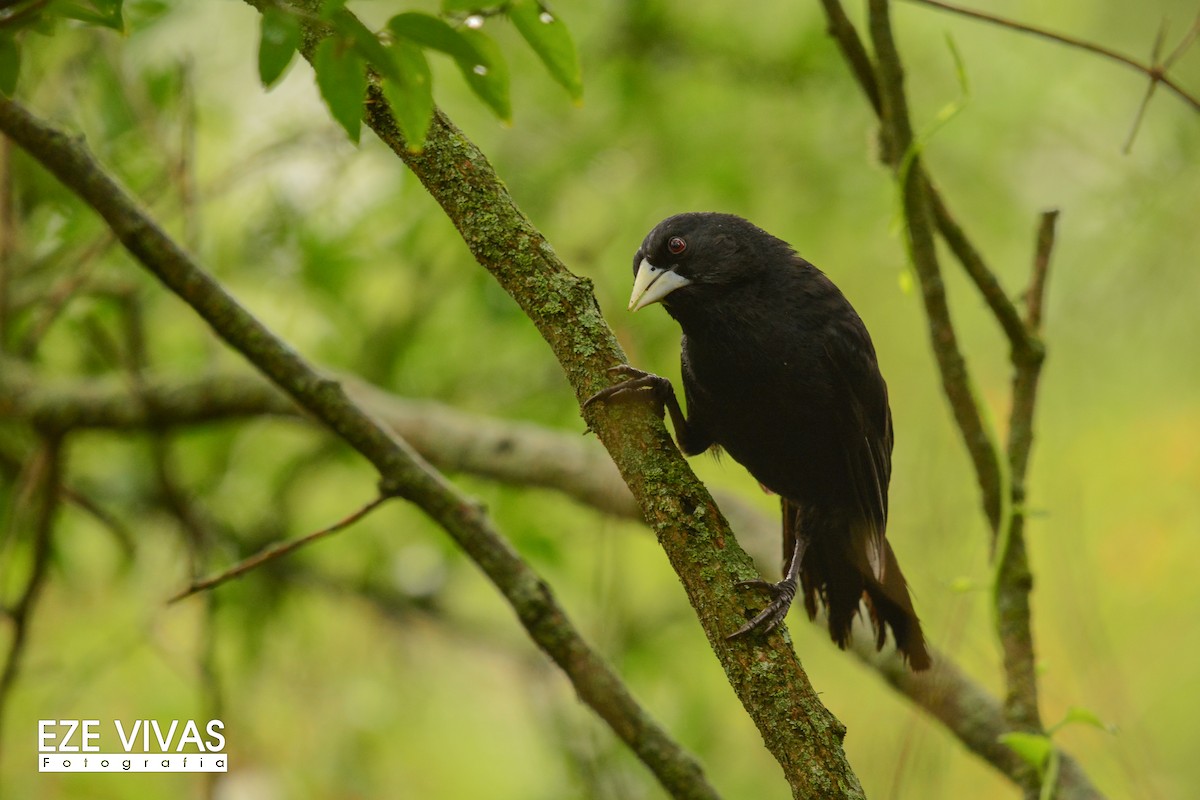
x,y
653,284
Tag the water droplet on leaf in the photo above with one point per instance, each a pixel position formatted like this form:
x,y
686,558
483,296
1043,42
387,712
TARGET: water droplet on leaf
x,y
474,22
546,17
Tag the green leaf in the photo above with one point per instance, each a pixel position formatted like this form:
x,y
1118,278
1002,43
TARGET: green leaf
x,y
331,7
490,83
369,48
435,34
342,80
280,37
1083,716
10,64
1033,748
144,13
105,13
411,94
549,38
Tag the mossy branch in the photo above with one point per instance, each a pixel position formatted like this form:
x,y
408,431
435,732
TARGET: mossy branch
x,y
766,675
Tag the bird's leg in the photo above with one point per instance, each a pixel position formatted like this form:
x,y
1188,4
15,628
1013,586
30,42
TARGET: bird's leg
x,y
782,594
638,384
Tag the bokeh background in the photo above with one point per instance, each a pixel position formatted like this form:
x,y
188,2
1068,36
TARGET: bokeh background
x,y
381,663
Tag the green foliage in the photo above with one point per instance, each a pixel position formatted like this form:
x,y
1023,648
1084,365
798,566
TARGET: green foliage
x,y
491,83
342,79
549,38
279,37
103,13
410,93
1033,748
407,80
1038,750
436,34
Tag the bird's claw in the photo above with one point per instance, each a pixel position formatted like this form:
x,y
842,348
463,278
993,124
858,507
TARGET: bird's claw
x,y
768,619
635,381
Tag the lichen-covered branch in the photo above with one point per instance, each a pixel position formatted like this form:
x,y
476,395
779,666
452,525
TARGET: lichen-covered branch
x,y
403,473
802,735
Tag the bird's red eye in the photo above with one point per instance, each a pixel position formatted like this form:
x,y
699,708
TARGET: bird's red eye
x,y
676,245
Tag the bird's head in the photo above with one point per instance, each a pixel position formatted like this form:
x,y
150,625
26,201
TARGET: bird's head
x,y
688,256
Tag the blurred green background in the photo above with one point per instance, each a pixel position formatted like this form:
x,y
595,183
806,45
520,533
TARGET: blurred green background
x,y
380,663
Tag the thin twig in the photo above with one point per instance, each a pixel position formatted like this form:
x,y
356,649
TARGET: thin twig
x,y
1184,44
843,32
985,279
1154,72
1014,580
1035,294
276,551
1155,52
46,480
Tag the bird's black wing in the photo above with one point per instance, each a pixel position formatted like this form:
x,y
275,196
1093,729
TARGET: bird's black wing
x,y
864,420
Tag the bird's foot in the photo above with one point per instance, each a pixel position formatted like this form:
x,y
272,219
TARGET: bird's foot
x,y
637,383
768,619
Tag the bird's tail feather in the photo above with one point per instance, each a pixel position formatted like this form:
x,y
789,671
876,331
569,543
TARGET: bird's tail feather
x,y
837,571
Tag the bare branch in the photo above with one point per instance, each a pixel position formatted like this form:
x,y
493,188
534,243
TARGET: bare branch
x,y
985,280
45,482
1154,72
1014,581
1035,294
275,551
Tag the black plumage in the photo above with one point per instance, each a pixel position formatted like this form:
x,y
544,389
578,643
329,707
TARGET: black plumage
x,y
779,370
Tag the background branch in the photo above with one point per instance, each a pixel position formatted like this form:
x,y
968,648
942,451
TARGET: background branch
x,y
45,481
1155,72
520,454
275,552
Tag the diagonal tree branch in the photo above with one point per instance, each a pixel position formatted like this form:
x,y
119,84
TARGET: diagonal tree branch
x,y
403,473
802,735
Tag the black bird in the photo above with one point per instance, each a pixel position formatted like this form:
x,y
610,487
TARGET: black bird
x,y
778,369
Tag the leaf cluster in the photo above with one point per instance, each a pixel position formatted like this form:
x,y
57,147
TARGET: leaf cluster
x,y
397,57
